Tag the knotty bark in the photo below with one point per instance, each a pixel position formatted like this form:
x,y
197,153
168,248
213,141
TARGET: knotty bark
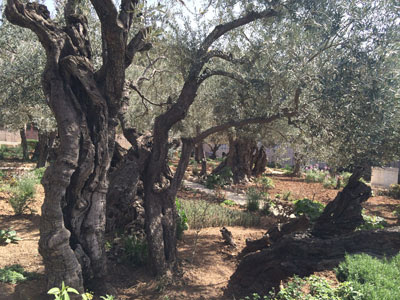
x,y
343,214
85,104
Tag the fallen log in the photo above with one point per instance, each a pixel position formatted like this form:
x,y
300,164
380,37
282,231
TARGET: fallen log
x,y
274,234
303,254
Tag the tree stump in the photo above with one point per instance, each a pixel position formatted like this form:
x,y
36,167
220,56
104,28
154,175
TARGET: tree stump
x,y
343,214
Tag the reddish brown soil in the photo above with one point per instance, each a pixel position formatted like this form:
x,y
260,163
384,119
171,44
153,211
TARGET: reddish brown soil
x,y
205,270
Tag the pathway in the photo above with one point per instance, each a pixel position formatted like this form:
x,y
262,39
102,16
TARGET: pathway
x,y
237,198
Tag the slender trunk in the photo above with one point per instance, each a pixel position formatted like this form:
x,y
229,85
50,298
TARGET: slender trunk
x,y
24,144
43,147
298,160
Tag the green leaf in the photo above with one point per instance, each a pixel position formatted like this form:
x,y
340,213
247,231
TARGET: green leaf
x,y
54,291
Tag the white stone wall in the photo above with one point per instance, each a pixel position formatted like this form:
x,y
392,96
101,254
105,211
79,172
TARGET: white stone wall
x,y
384,177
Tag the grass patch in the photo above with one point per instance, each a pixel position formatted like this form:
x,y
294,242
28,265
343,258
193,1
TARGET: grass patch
x,y
15,274
376,279
201,214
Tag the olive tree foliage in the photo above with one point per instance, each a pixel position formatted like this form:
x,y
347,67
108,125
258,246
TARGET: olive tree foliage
x,y
356,122
21,65
344,59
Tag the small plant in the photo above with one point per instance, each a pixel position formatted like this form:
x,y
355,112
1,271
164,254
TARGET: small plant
x,y
253,199
265,182
22,193
38,173
219,180
181,221
228,202
107,297
8,236
372,222
14,274
135,250
312,209
63,293
394,191
396,212
287,196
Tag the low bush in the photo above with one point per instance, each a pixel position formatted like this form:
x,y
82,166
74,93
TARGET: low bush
x,y
15,274
253,198
228,202
63,293
312,288
265,182
135,250
312,209
8,236
394,191
202,214
22,192
376,279
219,180
372,222
182,221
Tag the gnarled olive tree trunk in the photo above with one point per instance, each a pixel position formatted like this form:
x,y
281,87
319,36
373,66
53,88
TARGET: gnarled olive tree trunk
x,y
85,104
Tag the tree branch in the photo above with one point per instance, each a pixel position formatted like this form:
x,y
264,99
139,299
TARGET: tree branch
x,y
256,120
224,28
207,73
137,44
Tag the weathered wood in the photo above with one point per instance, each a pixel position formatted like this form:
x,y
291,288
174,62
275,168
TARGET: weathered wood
x,y
227,236
343,214
303,254
274,234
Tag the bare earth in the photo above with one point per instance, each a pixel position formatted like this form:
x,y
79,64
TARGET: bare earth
x,y
204,273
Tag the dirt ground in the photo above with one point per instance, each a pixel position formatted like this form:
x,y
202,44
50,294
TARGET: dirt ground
x,y
205,265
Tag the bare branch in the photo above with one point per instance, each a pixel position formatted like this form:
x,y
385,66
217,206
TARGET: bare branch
x,y
209,73
224,28
143,97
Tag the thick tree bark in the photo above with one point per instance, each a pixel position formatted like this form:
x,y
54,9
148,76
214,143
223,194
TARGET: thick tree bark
x,y
24,144
239,159
343,214
302,255
85,104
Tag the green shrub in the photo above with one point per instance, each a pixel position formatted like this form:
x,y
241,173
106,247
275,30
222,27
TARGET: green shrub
x,y
7,152
219,180
8,236
312,209
266,182
394,191
376,279
372,222
135,250
228,202
181,221
318,289
315,175
15,274
202,214
253,198
330,182
22,193
63,293
38,173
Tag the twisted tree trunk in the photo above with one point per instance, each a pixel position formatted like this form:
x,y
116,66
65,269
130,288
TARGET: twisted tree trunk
x,y
85,104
